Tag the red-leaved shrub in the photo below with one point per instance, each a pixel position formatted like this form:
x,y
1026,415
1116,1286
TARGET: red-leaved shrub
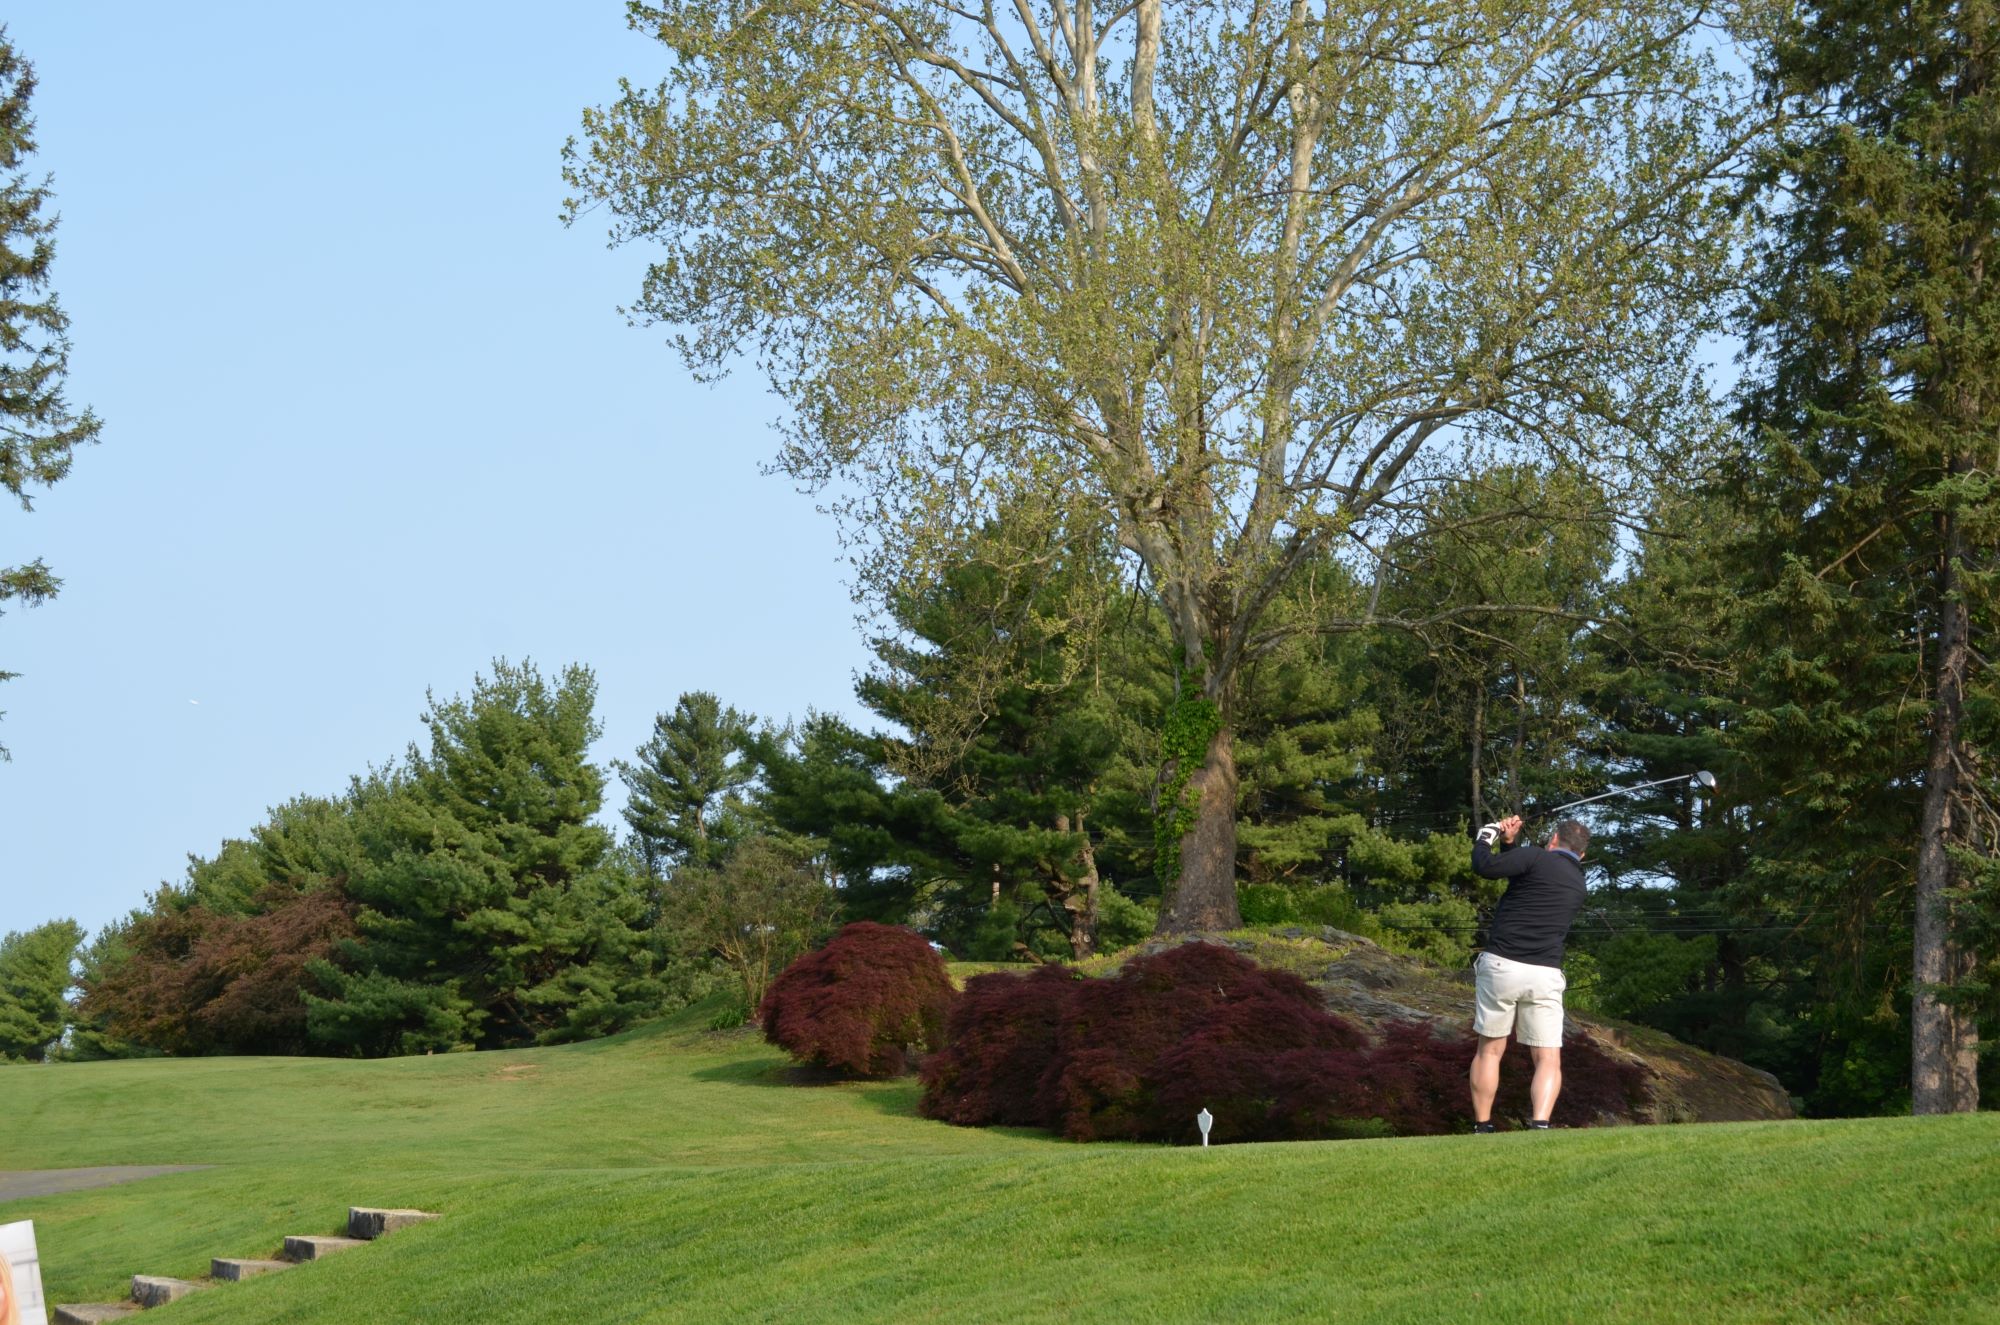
x,y
1420,1079
1195,1026
860,1003
1137,1056
1000,1040
198,981
1198,1026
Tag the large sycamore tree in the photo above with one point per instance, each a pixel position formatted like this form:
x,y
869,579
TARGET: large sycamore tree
x,y
1235,281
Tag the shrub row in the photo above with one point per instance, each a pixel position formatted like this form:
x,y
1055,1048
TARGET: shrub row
x,y
1199,1026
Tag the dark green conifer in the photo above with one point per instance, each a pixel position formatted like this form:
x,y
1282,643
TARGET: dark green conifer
x,y
39,431
686,787
494,909
1874,402
35,976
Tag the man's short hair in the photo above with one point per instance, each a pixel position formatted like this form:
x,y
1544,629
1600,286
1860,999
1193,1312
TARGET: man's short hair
x,y
1572,836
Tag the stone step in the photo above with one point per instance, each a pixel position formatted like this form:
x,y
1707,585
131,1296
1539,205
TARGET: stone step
x,y
236,1269
368,1222
156,1290
94,1313
313,1248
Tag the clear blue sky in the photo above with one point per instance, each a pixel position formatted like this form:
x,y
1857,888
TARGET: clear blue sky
x,y
371,419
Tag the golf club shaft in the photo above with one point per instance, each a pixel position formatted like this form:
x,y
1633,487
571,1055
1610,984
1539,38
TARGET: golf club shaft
x,y
1616,791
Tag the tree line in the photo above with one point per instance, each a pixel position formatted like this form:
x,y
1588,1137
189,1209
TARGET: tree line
x,y
1243,290
469,896
1272,440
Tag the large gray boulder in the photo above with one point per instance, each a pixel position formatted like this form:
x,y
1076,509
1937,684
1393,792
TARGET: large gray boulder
x,y
1371,986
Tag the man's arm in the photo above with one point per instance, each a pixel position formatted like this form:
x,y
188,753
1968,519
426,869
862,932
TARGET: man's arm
x,y
1490,864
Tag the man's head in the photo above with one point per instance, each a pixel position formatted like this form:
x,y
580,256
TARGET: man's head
x,y
1570,836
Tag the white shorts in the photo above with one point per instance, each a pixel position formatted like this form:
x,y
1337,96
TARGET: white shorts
x,y
1514,996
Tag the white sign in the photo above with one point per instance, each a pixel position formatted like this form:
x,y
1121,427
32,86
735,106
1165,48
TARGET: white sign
x,y
1204,1120
20,1276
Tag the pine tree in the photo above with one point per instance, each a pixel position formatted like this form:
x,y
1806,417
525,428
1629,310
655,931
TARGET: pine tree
x,y
687,784
1875,405
1759,977
827,789
39,431
1055,763
1481,711
494,912
35,976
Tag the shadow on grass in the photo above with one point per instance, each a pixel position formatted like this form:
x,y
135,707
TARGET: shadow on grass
x,y
896,1098
776,1073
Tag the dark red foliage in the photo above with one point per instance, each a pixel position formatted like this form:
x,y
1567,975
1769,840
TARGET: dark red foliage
x,y
1137,1056
1419,1079
1595,1085
1199,1026
999,1041
860,1003
1196,1026
196,981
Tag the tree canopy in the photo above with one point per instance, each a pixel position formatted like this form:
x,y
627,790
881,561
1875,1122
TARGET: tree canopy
x,y
1240,281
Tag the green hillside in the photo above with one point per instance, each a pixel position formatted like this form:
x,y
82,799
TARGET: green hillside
x,y
675,1174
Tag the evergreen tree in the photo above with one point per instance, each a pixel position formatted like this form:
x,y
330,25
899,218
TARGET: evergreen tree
x,y
219,962
39,431
1874,404
687,785
35,975
1481,711
1687,939
493,909
1021,793
826,788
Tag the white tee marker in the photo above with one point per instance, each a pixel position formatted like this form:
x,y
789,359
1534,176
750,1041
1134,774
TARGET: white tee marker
x,y
1204,1120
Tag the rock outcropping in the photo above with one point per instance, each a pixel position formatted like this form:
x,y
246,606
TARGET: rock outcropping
x,y
1371,986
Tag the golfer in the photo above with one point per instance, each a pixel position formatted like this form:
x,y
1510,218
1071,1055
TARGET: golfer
x,y
1519,976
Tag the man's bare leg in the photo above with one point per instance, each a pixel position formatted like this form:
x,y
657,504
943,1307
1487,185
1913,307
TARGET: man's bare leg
x,y
1486,1076
1548,1081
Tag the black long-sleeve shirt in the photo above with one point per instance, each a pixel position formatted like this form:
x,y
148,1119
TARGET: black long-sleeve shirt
x,y
1535,913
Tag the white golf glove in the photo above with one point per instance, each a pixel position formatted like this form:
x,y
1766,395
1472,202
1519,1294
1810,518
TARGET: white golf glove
x,y
1490,834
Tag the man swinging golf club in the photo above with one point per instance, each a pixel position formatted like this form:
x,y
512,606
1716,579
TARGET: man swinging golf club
x,y
1519,977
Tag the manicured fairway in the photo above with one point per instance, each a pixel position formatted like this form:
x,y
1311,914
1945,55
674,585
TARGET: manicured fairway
x,y
672,1175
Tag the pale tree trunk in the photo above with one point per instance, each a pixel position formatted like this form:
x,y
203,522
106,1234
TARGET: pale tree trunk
x,y
1204,897
1944,1040
1478,753
1078,893
1520,742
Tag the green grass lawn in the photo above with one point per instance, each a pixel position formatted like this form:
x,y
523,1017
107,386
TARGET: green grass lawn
x,y
672,1174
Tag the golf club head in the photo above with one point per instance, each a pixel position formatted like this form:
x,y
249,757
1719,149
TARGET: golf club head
x,y
1705,779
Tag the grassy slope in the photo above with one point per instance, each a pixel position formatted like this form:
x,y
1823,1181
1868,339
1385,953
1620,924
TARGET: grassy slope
x,y
670,1175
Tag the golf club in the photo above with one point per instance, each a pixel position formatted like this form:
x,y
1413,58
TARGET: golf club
x,y
1703,779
